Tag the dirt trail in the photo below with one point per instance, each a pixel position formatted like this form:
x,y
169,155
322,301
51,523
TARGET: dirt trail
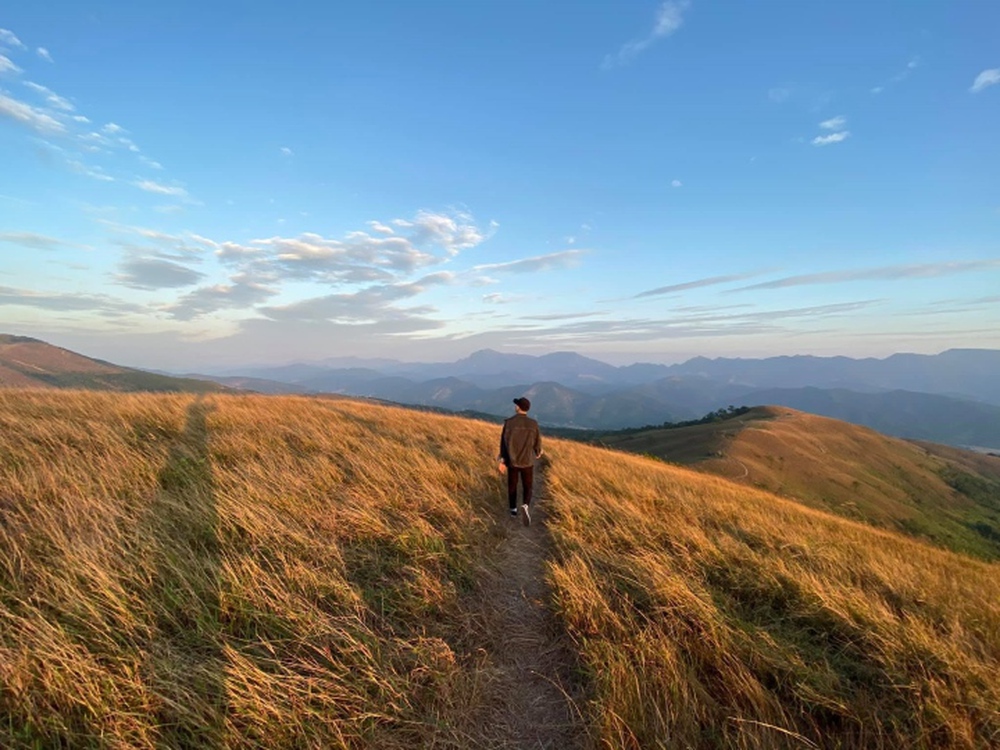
x,y
538,701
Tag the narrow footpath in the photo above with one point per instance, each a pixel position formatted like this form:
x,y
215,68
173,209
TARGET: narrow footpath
x,y
538,704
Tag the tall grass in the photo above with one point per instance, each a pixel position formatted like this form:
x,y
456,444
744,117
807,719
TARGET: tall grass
x,y
245,571
711,615
237,571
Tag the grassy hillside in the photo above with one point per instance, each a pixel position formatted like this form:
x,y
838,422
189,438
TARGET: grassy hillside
x,y
711,615
241,570
944,495
250,571
28,362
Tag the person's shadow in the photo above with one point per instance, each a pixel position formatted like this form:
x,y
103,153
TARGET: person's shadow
x,y
186,670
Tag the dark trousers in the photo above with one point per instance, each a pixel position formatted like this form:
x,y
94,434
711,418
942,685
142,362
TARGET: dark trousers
x,y
527,475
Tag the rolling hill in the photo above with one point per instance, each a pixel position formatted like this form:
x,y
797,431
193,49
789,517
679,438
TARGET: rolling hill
x,y
948,496
918,416
28,362
243,570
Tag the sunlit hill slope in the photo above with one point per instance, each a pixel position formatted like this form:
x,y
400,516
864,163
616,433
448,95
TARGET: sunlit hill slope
x,y
252,571
947,496
28,362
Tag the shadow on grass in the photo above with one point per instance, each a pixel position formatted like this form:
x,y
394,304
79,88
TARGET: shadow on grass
x,y
186,670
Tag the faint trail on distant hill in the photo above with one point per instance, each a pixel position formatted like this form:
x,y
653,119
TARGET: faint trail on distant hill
x,y
538,701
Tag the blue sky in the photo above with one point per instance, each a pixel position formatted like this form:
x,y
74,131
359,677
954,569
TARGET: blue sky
x,y
188,185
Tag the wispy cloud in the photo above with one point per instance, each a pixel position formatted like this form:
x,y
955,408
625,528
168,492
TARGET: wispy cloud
x,y
453,232
989,77
31,117
372,304
32,240
44,54
697,284
242,293
408,244
710,324
564,259
9,39
669,18
676,183
884,273
154,243
285,151
155,273
68,302
912,65
95,173
381,228
561,316
7,66
834,123
155,187
826,140
51,97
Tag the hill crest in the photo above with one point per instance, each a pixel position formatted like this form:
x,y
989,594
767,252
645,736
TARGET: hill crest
x,y
30,363
948,496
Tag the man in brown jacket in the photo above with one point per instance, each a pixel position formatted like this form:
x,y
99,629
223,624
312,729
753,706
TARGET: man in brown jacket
x,y
520,445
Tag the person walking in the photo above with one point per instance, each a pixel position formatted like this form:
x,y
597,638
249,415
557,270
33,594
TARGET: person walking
x,y
520,445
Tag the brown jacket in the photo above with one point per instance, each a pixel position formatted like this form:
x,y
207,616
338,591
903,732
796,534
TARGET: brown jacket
x,y
520,441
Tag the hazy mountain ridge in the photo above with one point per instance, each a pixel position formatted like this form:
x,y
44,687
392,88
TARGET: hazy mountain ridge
x,y
960,404
570,390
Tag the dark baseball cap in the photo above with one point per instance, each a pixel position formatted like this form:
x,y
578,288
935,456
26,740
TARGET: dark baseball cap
x,y
523,403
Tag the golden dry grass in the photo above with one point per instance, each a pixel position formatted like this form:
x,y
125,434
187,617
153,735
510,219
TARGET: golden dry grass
x,y
247,571
711,615
237,571
840,467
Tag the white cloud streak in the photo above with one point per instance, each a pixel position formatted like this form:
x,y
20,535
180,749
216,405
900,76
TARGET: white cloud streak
x,y
63,302
8,66
834,123
884,273
33,240
669,18
31,117
51,97
826,140
155,187
44,54
697,284
989,77
372,304
564,259
8,39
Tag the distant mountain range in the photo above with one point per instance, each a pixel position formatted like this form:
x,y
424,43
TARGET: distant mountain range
x,y
952,397
963,373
